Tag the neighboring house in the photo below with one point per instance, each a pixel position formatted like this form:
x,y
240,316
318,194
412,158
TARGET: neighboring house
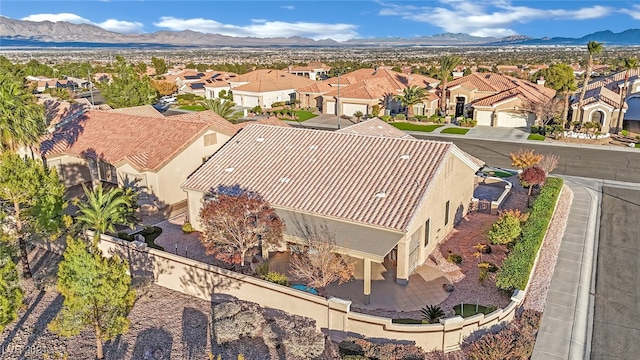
x,y
312,71
601,102
495,99
375,127
310,96
54,83
153,153
217,82
142,110
78,83
362,89
386,198
264,87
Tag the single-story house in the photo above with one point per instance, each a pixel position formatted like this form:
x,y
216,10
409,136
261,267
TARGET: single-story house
x,y
495,99
387,198
264,87
312,71
601,103
153,153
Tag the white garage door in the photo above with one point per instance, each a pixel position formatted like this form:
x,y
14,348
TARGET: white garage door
x,y
633,112
250,101
512,119
331,107
483,118
350,109
237,99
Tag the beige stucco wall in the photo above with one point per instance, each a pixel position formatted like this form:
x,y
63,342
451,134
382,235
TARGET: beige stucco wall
x,y
75,170
175,172
610,114
152,187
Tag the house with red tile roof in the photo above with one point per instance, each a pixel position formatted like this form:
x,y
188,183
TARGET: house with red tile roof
x,y
601,103
362,89
495,99
387,198
264,87
154,153
313,71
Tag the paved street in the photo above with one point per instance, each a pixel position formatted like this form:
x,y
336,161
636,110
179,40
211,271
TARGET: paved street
x,y
617,314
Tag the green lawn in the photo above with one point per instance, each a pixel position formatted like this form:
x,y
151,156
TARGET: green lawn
x,y
455,130
409,321
303,115
415,127
470,310
193,107
498,173
637,145
536,137
150,237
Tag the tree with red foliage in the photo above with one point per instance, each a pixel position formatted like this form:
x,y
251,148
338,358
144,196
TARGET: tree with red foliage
x,y
532,176
235,221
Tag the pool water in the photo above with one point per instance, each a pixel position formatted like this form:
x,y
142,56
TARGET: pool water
x,y
302,287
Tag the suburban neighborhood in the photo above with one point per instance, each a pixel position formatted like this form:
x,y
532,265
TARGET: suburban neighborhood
x,y
452,206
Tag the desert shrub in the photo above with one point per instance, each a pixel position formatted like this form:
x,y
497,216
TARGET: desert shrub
x,y
400,117
516,268
386,118
536,129
489,266
375,110
277,104
624,132
124,236
276,278
522,216
432,313
454,258
505,230
421,117
256,109
187,228
147,230
467,122
368,350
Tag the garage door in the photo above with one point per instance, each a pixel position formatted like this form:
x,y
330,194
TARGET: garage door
x,y
250,101
512,119
633,112
483,118
331,107
350,109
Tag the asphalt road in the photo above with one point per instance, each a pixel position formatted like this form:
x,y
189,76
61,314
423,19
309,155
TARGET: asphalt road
x,y
584,162
616,330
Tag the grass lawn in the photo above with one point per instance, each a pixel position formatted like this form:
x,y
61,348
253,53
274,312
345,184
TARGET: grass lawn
x,y
536,137
470,310
409,321
455,130
303,115
192,107
637,145
498,173
415,127
150,237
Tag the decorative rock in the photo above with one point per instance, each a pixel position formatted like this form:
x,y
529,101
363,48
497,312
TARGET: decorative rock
x,y
447,287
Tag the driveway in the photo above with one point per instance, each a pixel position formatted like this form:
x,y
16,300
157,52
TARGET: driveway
x,y
616,327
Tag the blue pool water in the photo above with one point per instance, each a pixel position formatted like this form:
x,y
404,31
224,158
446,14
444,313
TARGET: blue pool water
x,y
302,287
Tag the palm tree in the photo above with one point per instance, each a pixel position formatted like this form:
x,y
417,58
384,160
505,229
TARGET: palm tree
x,y
223,108
358,114
628,64
101,211
409,97
447,64
21,118
594,48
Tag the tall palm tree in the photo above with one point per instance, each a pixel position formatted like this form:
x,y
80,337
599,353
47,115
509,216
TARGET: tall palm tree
x,y
447,64
223,108
627,64
594,48
409,97
102,210
21,118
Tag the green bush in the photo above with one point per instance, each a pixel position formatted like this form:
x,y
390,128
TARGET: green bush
x,y
256,109
535,129
277,104
386,118
516,268
467,122
400,117
624,132
147,230
421,117
124,236
276,278
454,258
262,269
187,228
505,229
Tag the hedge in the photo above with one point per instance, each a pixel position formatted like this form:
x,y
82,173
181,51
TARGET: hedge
x,y
516,268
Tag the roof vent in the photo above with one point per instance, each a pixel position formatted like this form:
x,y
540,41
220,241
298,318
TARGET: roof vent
x,y
381,195
405,156
260,139
313,147
285,180
229,169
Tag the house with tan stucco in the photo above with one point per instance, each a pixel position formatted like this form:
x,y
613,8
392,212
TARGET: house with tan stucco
x,y
495,99
263,87
153,153
387,197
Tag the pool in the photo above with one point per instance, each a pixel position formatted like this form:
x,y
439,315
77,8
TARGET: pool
x,y
302,287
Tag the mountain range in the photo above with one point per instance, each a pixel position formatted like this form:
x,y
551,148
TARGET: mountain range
x,y
21,33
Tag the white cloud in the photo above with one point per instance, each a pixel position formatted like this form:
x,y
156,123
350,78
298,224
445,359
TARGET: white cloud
x,y
120,26
288,7
634,12
487,17
262,29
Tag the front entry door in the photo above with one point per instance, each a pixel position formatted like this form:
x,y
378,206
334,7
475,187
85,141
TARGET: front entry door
x,y
459,106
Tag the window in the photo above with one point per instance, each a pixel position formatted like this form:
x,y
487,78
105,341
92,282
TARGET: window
x,y
210,139
102,171
427,232
446,213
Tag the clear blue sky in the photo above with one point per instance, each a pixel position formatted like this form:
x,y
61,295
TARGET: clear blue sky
x,y
340,20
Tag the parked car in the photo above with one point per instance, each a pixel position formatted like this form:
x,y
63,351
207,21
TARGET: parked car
x,y
168,99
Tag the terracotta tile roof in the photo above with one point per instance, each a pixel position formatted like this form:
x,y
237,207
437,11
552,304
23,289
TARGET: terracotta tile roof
x,y
143,110
146,142
57,111
318,87
272,120
505,88
399,80
373,180
375,127
602,94
613,81
291,82
484,82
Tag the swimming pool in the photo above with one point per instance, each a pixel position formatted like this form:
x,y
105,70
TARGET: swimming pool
x,y
302,287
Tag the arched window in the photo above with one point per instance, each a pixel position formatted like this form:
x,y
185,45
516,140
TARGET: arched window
x,y
597,117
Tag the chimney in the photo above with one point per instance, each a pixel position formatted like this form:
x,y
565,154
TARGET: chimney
x,y
540,81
